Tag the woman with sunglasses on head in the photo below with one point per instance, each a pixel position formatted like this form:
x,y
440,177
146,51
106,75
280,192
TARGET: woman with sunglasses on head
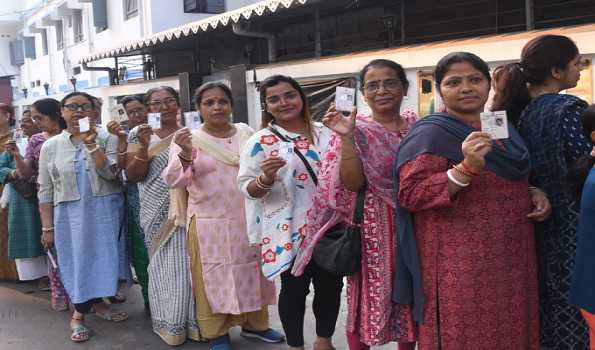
x,y
360,158
47,117
279,193
170,293
81,208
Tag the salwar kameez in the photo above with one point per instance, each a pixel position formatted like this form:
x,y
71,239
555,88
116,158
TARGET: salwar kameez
x,y
8,270
229,286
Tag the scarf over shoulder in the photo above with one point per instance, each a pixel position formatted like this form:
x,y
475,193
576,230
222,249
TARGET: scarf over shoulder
x,y
442,135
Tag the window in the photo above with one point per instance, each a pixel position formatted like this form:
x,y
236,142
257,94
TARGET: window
x,y
44,41
204,6
130,8
77,26
59,36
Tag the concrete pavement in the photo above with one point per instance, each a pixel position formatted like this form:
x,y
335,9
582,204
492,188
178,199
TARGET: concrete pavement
x,y
28,323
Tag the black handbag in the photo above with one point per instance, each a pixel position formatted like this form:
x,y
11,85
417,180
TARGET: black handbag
x,y
339,251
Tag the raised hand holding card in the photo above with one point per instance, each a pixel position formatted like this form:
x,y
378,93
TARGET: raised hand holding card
x,y
286,151
84,124
192,120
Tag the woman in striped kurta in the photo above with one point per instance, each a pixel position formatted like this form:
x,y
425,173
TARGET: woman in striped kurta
x,y
170,292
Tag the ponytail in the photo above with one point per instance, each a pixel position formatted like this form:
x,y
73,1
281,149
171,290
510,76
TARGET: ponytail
x,y
580,168
510,91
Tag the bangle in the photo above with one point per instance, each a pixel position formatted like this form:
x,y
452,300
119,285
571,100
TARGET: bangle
x,y
187,160
47,229
467,169
262,186
93,150
140,159
90,144
459,169
454,180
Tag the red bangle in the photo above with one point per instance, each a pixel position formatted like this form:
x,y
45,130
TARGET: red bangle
x,y
467,169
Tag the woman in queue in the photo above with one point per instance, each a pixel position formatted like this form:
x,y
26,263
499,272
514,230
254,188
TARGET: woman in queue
x,y
279,193
47,116
229,287
77,177
361,156
466,250
551,128
170,293
8,270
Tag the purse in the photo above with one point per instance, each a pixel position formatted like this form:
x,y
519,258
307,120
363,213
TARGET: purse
x,y
339,250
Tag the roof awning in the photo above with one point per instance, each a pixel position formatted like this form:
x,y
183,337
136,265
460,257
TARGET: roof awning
x,y
213,22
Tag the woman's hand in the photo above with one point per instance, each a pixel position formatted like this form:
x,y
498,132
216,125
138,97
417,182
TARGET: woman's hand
x,y
144,135
12,148
90,136
475,147
541,205
47,239
183,138
339,123
270,167
115,128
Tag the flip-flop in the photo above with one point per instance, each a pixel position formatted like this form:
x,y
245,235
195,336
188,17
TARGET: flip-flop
x,y
115,316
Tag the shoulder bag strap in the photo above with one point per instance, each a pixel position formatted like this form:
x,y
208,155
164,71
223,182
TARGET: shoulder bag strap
x,y
358,212
299,154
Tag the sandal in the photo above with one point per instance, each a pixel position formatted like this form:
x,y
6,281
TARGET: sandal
x,y
115,316
80,333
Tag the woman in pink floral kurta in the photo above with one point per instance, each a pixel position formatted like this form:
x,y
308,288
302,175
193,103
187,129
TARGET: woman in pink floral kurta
x,y
373,319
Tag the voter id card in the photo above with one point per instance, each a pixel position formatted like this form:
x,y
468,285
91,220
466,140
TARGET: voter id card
x,y
154,120
495,123
84,124
344,99
118,113
286,151
192,120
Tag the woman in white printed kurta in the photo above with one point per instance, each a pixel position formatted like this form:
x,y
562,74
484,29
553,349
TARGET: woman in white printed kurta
x,y
279,188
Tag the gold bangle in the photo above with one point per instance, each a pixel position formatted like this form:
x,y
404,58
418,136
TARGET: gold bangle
x,y
140,159
47,229
262,186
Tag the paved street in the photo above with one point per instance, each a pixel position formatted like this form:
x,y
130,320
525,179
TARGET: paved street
x,y
27,323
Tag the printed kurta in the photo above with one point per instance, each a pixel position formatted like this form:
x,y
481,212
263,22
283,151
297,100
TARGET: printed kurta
x,y
477,252
277,220
8,270
552,131
371,312
233,280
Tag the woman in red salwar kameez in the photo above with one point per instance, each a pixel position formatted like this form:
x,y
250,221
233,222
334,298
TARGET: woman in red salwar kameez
x,y
361,154
471,208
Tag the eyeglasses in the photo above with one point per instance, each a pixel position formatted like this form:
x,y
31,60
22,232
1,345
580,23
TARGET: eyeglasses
x,y
73,107
291,95
167,102
388,84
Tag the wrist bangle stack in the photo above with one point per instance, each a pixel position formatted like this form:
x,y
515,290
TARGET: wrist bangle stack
x,y
47,229
187,160
262,186
459,169
95,149
454,180
140,159
467,169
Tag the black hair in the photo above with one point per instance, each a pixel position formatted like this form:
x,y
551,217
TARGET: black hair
x,y
443,66
580,168
515,97
169,89
6,108
78,93
538,57
382,63
130,98
51,108
197,98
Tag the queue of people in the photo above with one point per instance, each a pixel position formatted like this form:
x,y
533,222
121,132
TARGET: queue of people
x,y
467,242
